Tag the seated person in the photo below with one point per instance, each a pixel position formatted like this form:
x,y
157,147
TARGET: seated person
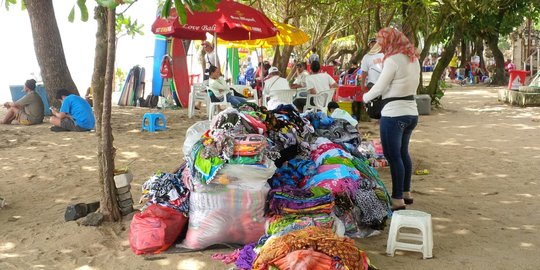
x,y
218,88
301,75
28,110
335,112
272,84
75,114
315,83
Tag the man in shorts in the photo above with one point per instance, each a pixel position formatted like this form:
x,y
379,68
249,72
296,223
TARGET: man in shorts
x,y
29,110
75,114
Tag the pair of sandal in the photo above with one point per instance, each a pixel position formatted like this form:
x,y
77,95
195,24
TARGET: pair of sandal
x,y
407,201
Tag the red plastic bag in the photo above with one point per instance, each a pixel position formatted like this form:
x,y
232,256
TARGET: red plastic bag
x,y
155,229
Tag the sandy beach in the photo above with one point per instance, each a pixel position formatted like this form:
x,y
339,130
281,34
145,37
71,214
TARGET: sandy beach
x,y
483,190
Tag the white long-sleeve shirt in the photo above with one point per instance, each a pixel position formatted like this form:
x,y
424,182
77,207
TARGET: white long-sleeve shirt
x,y
399,77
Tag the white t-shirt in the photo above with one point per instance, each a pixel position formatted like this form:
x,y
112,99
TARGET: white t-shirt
x,y
320,81
372,64
399,78
274,84
301,78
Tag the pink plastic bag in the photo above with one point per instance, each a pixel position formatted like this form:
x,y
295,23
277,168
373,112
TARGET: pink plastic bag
x,y
155,229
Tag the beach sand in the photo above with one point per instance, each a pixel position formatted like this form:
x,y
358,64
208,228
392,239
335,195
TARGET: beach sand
x,y
483,190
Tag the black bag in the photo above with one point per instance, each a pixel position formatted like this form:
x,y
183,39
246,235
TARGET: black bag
x,y
375,106
150,101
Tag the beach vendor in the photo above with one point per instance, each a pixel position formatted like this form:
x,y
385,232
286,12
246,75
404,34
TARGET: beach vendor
x,y
75,114
28,110
399,79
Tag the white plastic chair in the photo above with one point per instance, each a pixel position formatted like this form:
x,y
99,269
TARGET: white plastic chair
x,y
419,242
321,100
212,105
285,96
197,93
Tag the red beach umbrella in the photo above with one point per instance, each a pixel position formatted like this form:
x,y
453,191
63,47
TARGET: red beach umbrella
x,y
230,21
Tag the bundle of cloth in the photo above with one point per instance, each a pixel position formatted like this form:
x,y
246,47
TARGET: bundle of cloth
x,y
227,172
163,216
311,248
335,129
365,203
167,190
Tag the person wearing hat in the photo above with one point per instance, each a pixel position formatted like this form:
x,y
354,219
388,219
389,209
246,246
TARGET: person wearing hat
x,y
28,110
371,65
273,83
75,114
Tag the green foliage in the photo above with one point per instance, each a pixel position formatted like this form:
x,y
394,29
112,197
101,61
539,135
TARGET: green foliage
x,y
184,6
126,27
503,44
8,3
84,11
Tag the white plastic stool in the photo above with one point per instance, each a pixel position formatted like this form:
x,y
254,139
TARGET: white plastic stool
x,y
411,219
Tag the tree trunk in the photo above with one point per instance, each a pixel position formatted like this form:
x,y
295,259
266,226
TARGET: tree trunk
x,y
98,82
49,50
464,54
100,64
284,59
108,204
499,77
433,88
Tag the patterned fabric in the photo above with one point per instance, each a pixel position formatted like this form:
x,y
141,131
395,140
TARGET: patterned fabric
x,y
373,211
317,239
166,189
392,41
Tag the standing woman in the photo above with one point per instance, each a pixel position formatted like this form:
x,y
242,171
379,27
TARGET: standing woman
x,y
399,78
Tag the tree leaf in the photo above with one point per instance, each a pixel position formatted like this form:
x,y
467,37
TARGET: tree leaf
x,y
84,10
181,11
166,9
71,16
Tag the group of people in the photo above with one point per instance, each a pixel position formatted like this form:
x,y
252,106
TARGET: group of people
x,y
75,113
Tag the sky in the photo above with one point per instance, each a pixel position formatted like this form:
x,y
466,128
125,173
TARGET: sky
x,y
17,56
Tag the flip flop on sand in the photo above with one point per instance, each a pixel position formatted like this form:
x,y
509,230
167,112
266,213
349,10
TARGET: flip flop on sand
x,y
58,129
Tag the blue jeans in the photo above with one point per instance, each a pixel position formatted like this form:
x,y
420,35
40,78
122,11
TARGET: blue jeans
x,y
395,136
234,100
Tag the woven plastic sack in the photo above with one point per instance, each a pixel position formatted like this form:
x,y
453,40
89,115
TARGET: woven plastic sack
x,y
193,135
155,229
230,214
